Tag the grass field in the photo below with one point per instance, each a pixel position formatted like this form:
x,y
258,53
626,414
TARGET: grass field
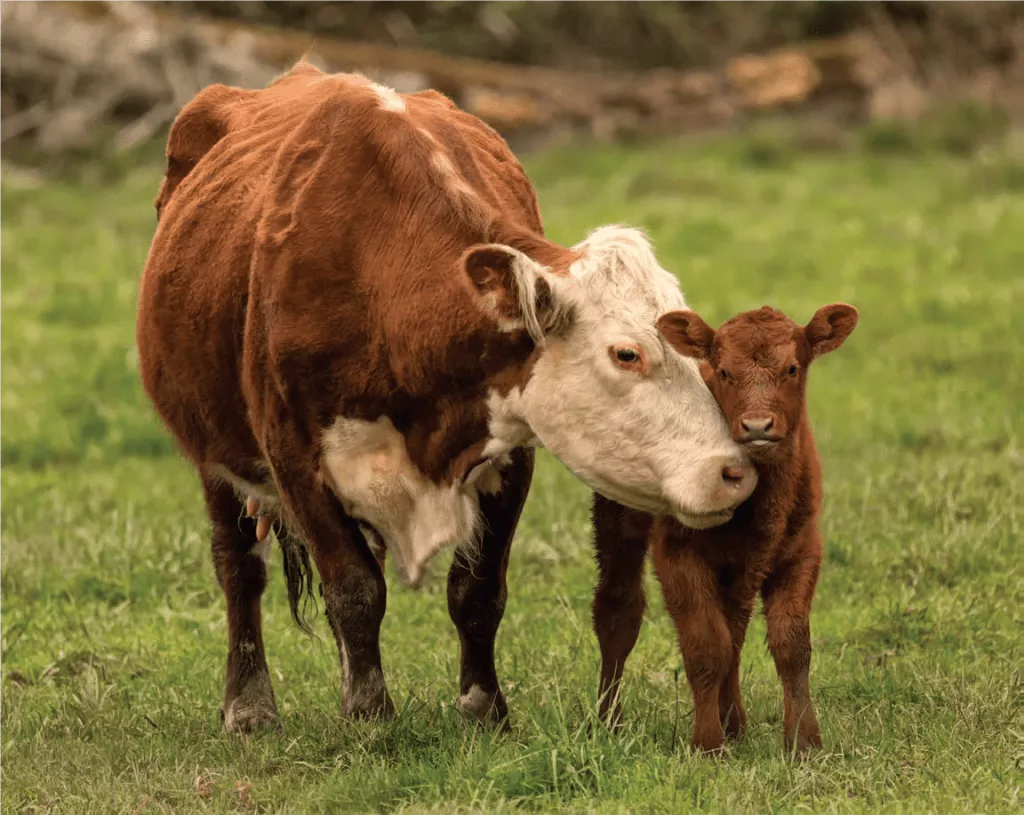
x,y
113,626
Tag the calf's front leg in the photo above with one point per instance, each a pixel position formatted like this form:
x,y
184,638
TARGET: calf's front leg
x,y
691,596
730,702
787,595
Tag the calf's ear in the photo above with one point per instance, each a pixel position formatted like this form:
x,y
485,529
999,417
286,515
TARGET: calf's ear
x,y
687,333
516,290
829,328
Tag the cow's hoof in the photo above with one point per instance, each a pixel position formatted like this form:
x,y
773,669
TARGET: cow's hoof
x,y
380,709
242,716
252,709
486,709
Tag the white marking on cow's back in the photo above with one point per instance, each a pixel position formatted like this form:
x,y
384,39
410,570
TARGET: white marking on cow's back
x,y
369,470
463,198
444,173
389,98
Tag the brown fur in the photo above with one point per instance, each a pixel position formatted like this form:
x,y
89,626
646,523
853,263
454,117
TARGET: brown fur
x,y
309,261
756,366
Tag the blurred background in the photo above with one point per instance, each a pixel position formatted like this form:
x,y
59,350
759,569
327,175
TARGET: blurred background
x,y
80,75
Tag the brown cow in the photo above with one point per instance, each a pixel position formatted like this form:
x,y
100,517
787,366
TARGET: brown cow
x,y
756,366
352,323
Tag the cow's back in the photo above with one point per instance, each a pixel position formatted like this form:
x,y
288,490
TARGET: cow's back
x,y
301,233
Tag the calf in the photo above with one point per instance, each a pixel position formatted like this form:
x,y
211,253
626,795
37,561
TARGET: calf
x,y
756,366
351,321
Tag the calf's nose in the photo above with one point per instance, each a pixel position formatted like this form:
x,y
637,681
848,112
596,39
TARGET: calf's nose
x,y
757,424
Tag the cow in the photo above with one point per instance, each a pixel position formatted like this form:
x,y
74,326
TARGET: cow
x,y
756,365
351,322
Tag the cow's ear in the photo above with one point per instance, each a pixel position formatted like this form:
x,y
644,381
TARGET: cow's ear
x,y
829,328
515,289
687,333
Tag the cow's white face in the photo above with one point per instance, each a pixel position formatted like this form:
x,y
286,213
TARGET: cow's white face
x,y
608,396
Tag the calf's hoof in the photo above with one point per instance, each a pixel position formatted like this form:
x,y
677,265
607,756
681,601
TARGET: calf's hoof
x,y
805,733
709,750
484,708
249,711
708,744
806,744
735,727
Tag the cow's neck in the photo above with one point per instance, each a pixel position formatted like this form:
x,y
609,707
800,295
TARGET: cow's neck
x,y
418,485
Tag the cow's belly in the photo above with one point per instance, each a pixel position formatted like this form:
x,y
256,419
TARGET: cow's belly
x,y
368,468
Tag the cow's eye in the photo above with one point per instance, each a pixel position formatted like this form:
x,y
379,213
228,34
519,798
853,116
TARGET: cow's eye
x,y
628,357
792,370
724,374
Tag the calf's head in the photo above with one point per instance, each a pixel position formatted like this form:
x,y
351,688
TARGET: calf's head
x,y
756,366
605,393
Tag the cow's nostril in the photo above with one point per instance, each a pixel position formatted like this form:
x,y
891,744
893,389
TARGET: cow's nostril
x,y
733,474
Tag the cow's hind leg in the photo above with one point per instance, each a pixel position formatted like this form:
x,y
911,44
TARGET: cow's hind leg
x,y
241,565
477,593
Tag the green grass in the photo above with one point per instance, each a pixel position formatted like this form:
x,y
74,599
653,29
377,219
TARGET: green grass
x,y
113,635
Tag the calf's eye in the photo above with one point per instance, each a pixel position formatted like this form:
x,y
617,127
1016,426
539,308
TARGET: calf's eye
x,y
792,370
627,355
723,373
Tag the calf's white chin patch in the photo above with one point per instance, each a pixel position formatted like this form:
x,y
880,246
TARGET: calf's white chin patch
x,y
704,521
368,468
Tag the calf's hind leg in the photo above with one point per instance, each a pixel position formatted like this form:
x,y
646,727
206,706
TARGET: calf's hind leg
x,y
477,593
241,566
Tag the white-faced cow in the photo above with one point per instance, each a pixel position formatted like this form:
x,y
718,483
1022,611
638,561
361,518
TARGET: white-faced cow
x,y
352,323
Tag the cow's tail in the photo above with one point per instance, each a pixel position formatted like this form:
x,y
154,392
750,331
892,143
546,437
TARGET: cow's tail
x,y
298,576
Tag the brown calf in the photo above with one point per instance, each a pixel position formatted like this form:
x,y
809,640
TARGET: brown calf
x,y
756,366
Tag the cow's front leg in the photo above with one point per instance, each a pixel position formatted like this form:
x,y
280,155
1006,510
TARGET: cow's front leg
x,y
621,542
240,561
355,597
353,588
477,593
